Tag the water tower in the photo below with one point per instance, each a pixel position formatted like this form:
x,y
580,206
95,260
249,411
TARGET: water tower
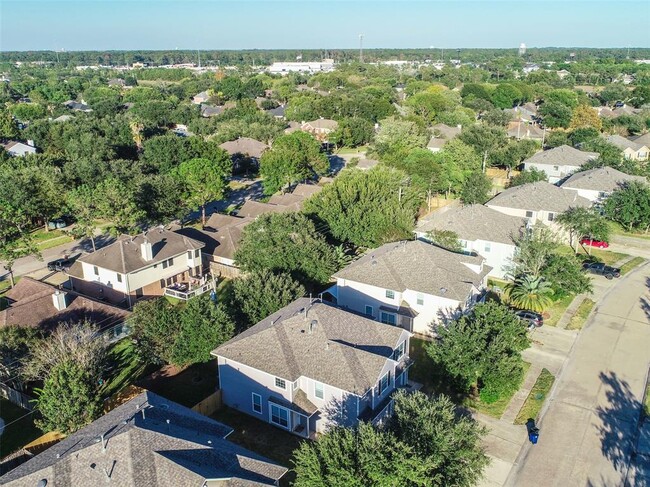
x,y
522,49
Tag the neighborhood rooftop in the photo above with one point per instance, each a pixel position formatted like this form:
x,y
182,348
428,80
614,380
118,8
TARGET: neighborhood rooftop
x,y
417,266
475,222
221,234
125,255
319,341
245,146
538,196
563,155
605,179
144,442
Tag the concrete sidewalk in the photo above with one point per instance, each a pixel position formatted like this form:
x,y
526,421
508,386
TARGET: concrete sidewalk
x,y
518,399
589,427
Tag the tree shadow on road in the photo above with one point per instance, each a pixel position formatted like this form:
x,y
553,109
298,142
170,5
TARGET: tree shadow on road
x,y
618,422
645,302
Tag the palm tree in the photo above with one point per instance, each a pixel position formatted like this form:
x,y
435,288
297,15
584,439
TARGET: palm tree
x,y
528,292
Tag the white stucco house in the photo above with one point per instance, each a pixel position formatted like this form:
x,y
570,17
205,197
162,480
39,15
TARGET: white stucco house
x,y
411,284
539,202
138,267
311,365
597,184
480,230
559,162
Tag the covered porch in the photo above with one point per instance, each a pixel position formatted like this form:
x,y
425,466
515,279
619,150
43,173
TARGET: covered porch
x,y
299,413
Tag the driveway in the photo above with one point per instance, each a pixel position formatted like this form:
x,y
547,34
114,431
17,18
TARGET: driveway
x,y
630,245
590,422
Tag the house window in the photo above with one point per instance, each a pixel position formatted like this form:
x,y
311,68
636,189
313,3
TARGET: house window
x,y
420,299
197,252
167,263
164,264
551,217
398,353
257,403
189,254
318,390
390,294
388,318
119,278
162,283
280,383
384,382
488,246
556,168
139,293
294,386
529,214
279,416
368,310
96,270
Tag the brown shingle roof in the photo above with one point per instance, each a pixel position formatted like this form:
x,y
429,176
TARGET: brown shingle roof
x,y
330,345
124,256
221,235
246,146
306,190
253,209
417,266
31,304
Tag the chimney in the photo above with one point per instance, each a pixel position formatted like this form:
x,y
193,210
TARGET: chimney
x,y
146,250
59,300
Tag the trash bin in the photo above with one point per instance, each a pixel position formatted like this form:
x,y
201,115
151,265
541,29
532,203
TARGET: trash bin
x,y
533,435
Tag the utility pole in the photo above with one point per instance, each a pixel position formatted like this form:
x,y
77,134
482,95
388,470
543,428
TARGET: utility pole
x,y
361,48
199,54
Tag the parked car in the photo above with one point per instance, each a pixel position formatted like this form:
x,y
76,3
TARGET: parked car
x,y
62,265
600,244
534,320
601,269
58,223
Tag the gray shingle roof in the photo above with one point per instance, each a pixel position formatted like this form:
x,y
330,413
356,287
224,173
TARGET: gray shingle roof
x,y
604,179
125,254
623,143
246,146
144,449
539,196
642,139
253,209
475,222
563,155
417,266
329,345
306,190
221,234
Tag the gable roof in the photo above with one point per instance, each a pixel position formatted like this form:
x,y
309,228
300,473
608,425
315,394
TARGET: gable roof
x,y
277,111
246,146
475,222
147,441
31,304
286,199
221,235
210,111
306,190
253,209
623,143
605,179
446,131
642,139
124,255
330,345
417,266
322,124
538,196
563,155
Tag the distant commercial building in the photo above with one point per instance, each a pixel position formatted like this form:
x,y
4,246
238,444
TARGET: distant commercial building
x,y
324,66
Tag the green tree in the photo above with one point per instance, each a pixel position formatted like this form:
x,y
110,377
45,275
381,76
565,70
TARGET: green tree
x,y
259,294
630,206
367,208
529,292
485,139
15,239
473,346
204,181
8,126
614,92
16,343
556,114
83,204
445,239
116,203
286,242
583,222
476,189
154,324
352,132
584,116
397,137
294,157
506,96
565,275
204,326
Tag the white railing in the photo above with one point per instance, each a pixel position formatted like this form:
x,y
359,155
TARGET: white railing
x,y
185,295
385,413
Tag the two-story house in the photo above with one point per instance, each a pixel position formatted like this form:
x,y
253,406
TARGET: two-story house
x,y
311,365
538,202
597,184
631,149
411,284
135,267
480,230
559,162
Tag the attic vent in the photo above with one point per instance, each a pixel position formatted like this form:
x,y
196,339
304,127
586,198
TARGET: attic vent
x,y
443,290
313,325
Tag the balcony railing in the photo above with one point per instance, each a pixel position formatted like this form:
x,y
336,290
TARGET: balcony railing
x,y
190,293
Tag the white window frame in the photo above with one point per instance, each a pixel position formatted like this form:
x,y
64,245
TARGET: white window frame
x,y
381,388
96,270
253,396
119,277
284,383
532,214
295,385
318,385
386,322
279,408
390,294
551,216
401,348
419,299
487,247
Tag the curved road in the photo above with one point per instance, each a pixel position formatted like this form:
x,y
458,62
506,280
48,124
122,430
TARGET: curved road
x,y
590,427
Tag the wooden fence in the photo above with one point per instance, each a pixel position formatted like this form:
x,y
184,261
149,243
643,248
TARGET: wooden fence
x,y
209,405
18,398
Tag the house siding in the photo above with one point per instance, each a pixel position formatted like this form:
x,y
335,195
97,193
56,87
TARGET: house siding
x,y
552,175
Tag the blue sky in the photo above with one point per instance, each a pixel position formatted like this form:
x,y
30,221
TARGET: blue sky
x,y
311,24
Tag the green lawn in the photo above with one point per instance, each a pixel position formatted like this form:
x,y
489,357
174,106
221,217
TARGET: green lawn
x,y
535,399
41,235
352,151
631,264
422,370
495,409
18,434
557,309
617,229
125,367
578,319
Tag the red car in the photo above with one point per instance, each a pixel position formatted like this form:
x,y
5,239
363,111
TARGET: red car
x,y
594,243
